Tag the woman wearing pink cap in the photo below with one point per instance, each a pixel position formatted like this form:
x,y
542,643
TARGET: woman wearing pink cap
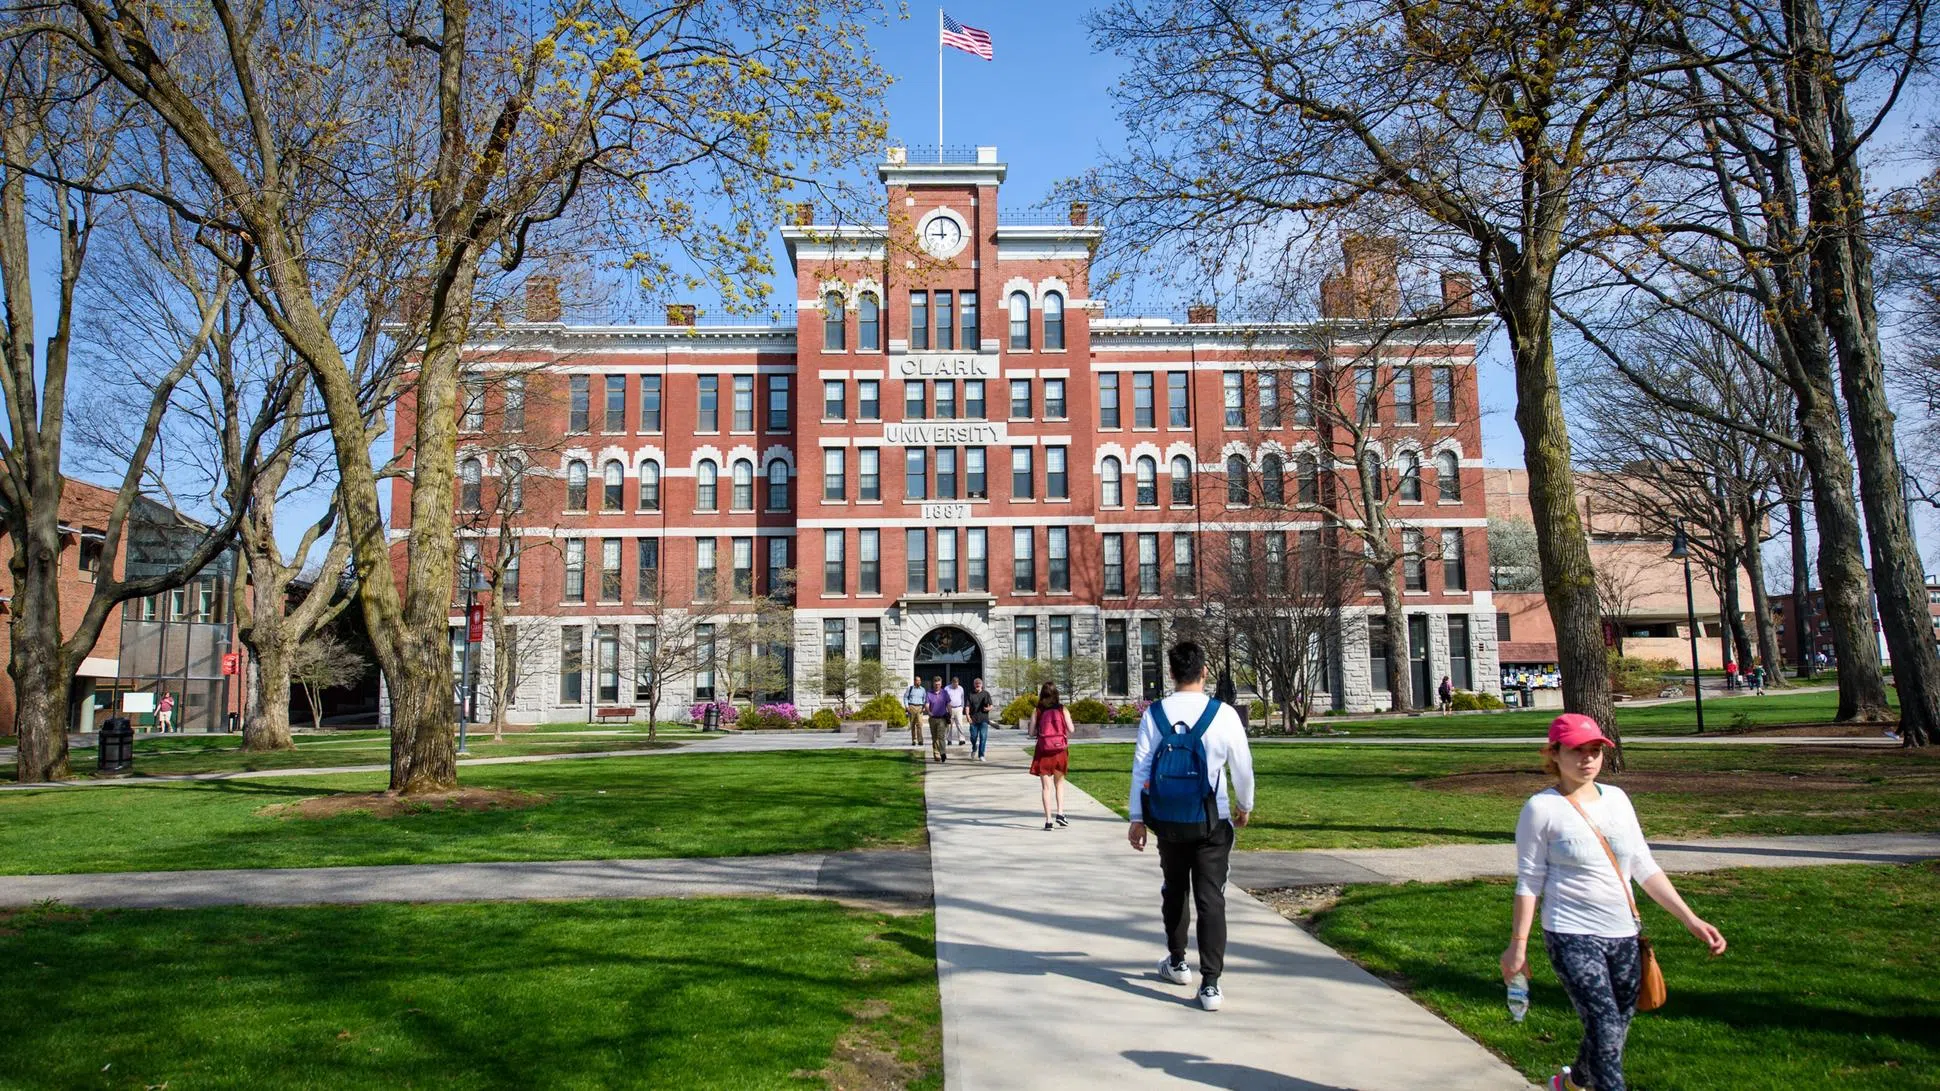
x,y
1590,921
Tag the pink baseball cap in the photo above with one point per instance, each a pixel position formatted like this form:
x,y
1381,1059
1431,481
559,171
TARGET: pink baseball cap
x,y
1573,729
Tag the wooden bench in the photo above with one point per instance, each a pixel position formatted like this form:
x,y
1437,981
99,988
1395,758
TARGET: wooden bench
x,y
606,715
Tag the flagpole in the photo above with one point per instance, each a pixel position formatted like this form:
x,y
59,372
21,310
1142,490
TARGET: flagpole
x,y
939,85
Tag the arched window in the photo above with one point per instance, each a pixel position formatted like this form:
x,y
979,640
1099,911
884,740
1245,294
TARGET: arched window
x,y
1020,320
1053,321
575,486
649,485
743,485
470,473
1235,480
832,322
1307,469
707,483
1410,477
1112,483
1273,480
868,324
777,485
511,471
1148,480
1372,474
613,486
1181,480
1448,475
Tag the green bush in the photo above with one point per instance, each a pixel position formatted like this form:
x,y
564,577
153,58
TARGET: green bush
x,y
887,707
1636,677
1090,711
1127,713
1021,707
825,720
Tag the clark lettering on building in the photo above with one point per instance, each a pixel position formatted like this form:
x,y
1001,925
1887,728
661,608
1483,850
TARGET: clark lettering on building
x,y
953,456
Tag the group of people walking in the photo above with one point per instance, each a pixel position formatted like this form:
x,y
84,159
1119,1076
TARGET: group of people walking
x,y
956,716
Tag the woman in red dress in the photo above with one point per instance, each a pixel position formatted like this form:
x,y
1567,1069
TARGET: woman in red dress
x,y
1052,727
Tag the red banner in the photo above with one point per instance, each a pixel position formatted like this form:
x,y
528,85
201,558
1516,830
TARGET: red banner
x,y
476,630
231,663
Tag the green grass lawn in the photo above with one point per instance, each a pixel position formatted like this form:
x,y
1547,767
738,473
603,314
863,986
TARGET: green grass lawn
x,y
1721,714
1318,796
718,993
159,755
1832,979
676,805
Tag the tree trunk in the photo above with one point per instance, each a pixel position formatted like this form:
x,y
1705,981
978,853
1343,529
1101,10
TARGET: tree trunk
x,y
1761,605
1801,583
1732,612
502,665
1843,580
424,744
42,695
1400,677
268,725
1569,579
1843,297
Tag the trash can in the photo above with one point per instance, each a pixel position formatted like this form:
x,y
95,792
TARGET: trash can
x,y
711,719
115,748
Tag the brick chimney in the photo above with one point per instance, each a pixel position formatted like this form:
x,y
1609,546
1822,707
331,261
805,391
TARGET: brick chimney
x,y
1373,274
1458,293
542,298
1336,301
804,213
1080,213
682,314
413,300
1202,314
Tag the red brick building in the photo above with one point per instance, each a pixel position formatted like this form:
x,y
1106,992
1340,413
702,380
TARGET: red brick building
x,y
958,454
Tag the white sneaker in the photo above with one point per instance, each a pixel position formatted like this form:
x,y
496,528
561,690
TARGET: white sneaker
x,y
1209,997
1175,972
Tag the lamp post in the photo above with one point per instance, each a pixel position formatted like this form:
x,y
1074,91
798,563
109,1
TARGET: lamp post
x,y
1681,550
467,683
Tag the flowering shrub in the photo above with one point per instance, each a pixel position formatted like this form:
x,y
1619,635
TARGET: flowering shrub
x,y
771,716
698,712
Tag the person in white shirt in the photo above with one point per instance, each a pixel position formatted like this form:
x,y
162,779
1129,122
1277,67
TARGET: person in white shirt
x,y
1589,918
1194,859
959,722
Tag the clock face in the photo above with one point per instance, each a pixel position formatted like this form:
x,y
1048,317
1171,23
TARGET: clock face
x,y
942,236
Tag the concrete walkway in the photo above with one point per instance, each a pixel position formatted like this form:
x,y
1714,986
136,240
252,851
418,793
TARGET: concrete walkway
x,y
1047,945
1448,863
877,875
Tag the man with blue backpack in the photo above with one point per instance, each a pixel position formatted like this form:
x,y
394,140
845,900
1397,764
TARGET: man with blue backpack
x,y
1188,743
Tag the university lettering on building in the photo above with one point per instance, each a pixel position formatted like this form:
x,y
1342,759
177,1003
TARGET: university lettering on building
x,y
957,456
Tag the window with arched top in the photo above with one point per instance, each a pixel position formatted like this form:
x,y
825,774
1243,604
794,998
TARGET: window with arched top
x,y
1111,483
511,470
868,324
1410,477
612,486
1307,469
575,486
649,485
1020,320
777,485
743,485
832,322
1273,480
470,474
1148,480
1448,475
707,484
1236,492
1181,480
1053,321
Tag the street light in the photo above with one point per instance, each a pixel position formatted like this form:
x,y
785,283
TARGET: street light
x,y
467,683
1681,550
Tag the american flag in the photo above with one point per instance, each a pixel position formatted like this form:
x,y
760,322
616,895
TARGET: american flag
x,y
968,39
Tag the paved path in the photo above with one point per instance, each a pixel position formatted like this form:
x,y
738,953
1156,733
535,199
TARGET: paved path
x,y
1447,863
891,875
1047,944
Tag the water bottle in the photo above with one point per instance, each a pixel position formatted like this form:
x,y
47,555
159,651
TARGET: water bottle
x,y
1518,997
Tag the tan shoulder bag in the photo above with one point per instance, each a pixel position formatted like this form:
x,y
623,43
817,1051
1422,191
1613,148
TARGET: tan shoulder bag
x,y
1651,992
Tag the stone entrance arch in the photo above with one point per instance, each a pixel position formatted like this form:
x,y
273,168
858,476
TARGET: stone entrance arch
x,y
950,652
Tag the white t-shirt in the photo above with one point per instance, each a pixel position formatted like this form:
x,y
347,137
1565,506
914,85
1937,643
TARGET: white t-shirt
x,y
1558,859
1225,749
956,694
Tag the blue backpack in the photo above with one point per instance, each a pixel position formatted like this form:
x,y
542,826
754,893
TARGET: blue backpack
x,y
1179,803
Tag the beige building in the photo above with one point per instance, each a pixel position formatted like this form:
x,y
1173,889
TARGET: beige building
x,y
1642,587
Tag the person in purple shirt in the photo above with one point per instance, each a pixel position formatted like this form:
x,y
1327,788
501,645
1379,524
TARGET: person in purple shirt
x,y
937,704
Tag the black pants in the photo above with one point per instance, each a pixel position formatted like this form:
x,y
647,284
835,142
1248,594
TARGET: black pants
x,y
1200,867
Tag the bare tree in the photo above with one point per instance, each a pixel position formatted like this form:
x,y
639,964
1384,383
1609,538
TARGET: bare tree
x,y
323,661
1281,594
1621,587
667,647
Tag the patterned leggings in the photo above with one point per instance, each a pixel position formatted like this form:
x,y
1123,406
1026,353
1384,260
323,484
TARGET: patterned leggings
x,y
1602,976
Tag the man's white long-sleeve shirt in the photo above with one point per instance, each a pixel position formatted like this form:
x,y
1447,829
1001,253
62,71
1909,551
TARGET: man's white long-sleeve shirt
x,y
1226,749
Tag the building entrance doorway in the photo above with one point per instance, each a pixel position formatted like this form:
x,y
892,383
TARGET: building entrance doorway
x,y
950,653
1424,685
